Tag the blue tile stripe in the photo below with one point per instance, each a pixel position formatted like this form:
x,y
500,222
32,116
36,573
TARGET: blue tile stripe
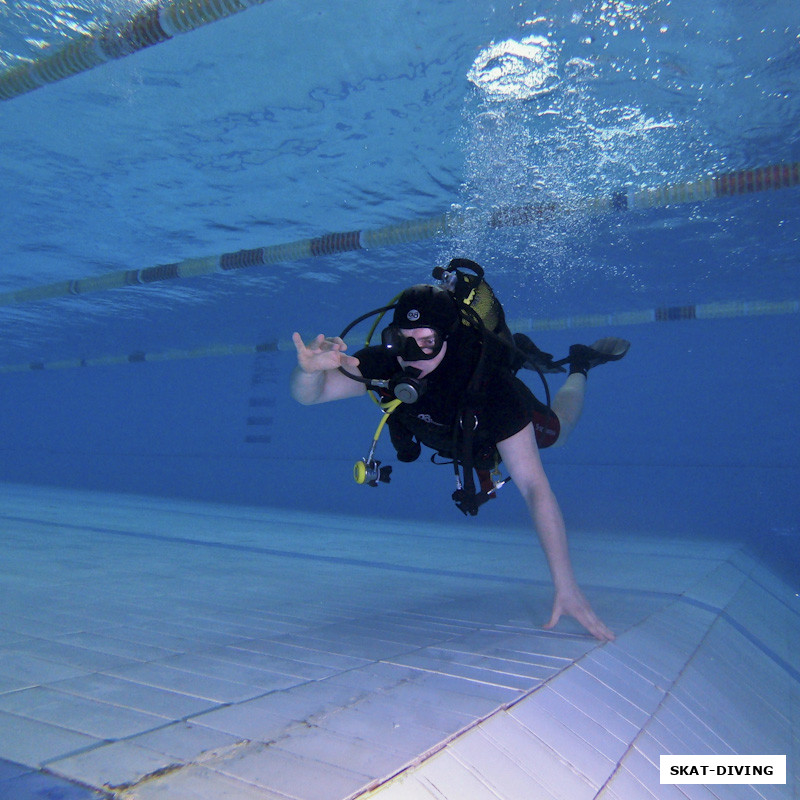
x,y
289,554
18,782
764,648
755,641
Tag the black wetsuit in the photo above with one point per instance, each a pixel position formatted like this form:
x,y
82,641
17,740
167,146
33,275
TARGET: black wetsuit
x,y
506,407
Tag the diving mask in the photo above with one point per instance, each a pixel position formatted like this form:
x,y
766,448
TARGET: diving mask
x,y
400,343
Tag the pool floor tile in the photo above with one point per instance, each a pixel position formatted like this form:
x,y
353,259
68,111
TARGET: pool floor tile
x,y
257,654
34,743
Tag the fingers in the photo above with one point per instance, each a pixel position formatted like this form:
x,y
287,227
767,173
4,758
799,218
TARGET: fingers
x,y
594,625
333,343
320,343
298,342
602,632
587,618
322,353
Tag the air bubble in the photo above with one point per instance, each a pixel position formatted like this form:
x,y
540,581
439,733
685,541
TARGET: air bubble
x,y
516,70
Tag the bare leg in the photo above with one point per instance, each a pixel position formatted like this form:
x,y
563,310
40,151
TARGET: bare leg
x,y
568,405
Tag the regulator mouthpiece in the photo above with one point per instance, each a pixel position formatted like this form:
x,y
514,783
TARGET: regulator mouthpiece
x,y
408,387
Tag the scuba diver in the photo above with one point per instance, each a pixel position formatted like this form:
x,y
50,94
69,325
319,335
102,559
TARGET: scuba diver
x,y
445,377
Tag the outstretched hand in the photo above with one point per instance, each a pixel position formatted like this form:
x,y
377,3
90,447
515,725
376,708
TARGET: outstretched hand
x,y
573,604
323,353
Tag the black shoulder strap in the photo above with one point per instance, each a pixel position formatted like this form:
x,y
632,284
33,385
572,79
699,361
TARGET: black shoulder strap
x,y
466,498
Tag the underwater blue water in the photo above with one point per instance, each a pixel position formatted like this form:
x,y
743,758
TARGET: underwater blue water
x,y
293,120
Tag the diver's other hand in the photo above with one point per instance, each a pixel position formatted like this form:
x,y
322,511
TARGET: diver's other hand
x,y
322,353
574,604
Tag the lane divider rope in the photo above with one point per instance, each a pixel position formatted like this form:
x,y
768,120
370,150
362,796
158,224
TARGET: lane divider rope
x,y
155,23
708,311
777,176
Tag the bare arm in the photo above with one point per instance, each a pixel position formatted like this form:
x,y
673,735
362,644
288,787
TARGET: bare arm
x,y
521,456
316,378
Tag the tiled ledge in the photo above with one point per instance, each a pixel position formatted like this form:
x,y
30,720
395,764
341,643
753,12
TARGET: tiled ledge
x,y
687,680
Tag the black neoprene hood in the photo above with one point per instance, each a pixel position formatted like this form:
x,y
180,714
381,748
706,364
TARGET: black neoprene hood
x,y
427,306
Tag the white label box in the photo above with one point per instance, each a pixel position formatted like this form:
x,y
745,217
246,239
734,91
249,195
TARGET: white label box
x,y
723,769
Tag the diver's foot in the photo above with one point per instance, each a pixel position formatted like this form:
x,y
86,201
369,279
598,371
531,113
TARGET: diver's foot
x,y
529,356
583,357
